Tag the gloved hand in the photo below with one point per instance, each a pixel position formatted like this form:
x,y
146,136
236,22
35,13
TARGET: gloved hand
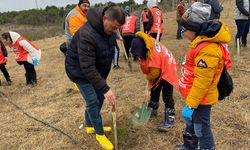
x,y
35,62
187,113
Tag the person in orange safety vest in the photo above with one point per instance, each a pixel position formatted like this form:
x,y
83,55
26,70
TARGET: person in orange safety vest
x,y
131,26
160,67
76,18
155,16
26,53
144,18
3,60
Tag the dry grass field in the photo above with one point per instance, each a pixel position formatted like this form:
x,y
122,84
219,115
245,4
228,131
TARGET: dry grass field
x,y
51,103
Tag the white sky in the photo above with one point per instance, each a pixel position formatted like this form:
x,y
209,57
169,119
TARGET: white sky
x,y
10,5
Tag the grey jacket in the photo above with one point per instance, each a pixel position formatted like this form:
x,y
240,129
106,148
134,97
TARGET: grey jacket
x,y
216,8
242,9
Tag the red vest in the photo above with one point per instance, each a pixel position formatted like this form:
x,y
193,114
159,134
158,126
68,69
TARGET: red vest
x,y
144,16
129,25
157,20
163,59
188,65
20,52
2,58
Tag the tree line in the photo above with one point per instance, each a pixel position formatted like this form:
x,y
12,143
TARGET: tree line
x,y
49,15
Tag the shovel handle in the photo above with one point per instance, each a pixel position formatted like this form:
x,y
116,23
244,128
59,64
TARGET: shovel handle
x,y
113,108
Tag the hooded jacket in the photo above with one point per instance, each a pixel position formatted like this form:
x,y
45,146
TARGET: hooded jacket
x,y
23,48
216,8
199,84
89,57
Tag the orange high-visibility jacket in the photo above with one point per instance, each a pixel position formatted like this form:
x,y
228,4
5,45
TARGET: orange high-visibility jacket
x,y
74,20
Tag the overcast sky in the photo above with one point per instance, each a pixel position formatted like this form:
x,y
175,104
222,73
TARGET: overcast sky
x,y
9,5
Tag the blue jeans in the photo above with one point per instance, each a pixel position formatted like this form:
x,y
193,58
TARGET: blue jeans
x,y
200,126
242,30
94,101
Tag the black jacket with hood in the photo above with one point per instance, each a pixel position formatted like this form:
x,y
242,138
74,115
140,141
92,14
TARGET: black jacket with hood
x,y
216,8
89,57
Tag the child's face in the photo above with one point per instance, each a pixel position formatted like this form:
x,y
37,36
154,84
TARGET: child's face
x,y
6,41
190,35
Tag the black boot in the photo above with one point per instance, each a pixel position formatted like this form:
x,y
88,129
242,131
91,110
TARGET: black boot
x,y
168,121
190,142
33,80
28,80
9,82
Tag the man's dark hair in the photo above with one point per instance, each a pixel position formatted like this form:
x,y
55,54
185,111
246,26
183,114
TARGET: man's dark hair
x,y
6,35
116,13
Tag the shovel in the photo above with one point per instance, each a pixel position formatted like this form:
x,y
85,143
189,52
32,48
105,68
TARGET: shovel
x,y
114,126
141,116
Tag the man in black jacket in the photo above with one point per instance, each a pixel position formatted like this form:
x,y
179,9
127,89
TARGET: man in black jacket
x,y
88,62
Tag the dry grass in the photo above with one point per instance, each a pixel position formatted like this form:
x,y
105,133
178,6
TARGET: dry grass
x,y
50,102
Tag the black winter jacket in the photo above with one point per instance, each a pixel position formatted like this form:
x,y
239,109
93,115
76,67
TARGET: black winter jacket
x,y
89,57
216,8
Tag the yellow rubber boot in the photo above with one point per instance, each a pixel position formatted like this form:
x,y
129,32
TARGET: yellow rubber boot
x,y
91,130
104,142
75,87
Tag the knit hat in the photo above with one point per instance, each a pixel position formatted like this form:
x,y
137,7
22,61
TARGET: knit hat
x,y
138,47
83,1
151,3
196,14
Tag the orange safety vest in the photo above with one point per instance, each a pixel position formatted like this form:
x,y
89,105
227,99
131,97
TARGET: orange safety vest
x,y
2,58
188,65
20,52
163,59
157,20
129,25
144,16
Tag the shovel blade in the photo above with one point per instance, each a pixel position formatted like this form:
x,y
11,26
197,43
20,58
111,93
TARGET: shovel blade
x,y
140,116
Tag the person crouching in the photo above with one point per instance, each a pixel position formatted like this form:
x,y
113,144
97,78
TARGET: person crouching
x,y
160,66
27,54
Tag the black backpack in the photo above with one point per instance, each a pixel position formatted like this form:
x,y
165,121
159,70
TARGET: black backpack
x,y
225,85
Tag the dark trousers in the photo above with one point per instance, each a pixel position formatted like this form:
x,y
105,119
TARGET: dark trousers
x,y
117,52
200,126
127,40
5,72
242,30
178,35
94,101
167,95
29,68
144,26
154,35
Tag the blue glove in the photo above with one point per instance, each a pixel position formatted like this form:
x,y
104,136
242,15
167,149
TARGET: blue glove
x,y
35,62
187,113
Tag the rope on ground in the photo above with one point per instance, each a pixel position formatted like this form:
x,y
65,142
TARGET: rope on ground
x,y
38,120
